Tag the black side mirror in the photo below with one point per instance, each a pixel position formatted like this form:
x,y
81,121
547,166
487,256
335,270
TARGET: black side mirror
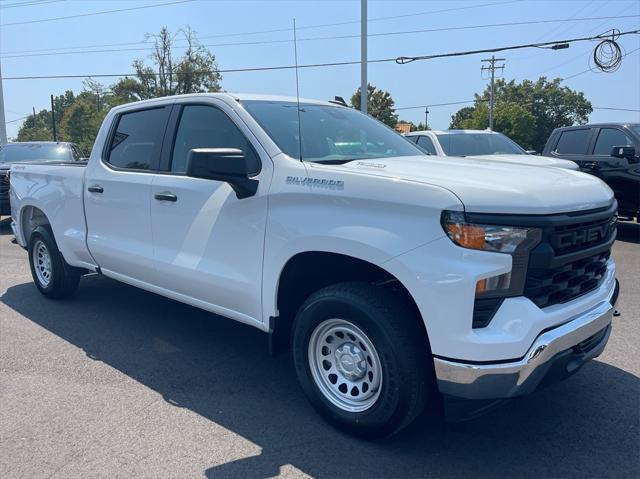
x,y
222,164
623,151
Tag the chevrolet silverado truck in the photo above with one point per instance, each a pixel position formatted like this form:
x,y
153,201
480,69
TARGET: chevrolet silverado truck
x,y
395,278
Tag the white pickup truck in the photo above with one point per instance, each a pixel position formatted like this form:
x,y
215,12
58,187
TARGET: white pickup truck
x,y
393,276
482,145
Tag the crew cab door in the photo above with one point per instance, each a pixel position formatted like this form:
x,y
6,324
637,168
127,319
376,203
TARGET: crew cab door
x,y
208,244
118,194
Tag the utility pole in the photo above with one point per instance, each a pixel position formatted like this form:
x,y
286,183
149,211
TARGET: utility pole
x,y
426,116
363,57
492,68
53,120
3,124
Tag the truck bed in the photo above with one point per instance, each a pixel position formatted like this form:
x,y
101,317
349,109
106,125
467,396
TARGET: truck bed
x,y
56,190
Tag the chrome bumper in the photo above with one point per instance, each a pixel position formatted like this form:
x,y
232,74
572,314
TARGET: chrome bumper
x,y
558,352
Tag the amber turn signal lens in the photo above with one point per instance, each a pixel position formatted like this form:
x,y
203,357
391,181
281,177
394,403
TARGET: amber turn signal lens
x,y
467,235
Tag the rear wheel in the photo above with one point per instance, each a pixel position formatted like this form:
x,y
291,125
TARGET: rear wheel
x,y
51,274
362,359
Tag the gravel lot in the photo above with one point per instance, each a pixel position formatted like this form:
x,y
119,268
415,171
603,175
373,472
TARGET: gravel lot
x,y
121,382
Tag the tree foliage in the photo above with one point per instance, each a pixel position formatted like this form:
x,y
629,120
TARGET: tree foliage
x,y
528,111
419,127
380,104
78,117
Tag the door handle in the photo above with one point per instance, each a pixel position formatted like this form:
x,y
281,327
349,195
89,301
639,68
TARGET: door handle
x,y
96,189
165,197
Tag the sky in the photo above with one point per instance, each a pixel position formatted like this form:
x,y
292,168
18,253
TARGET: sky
x,y
241,35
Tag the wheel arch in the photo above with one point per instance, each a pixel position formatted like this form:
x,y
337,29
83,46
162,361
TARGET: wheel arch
x,y
30,218
306,272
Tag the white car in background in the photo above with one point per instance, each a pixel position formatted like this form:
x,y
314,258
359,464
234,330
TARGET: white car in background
x,y
481,144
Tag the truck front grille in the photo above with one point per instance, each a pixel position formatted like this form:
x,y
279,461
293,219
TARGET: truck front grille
x,y
557,285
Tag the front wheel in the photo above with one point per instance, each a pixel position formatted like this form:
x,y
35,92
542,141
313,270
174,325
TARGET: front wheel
x,y
51,274
363,359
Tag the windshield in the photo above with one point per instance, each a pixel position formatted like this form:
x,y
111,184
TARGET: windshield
x,y
330,134
474,144
12,153
635,128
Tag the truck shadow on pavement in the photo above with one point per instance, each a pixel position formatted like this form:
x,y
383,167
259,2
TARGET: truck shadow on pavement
x,y
587,426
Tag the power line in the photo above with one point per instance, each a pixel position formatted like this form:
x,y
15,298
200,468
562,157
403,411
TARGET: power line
x,y
329,64
338,37
437,104
29,4
260,32
91,14
405,60
615,109
17,119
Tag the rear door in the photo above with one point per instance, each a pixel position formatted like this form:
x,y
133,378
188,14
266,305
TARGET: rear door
x,y
118,194
208,244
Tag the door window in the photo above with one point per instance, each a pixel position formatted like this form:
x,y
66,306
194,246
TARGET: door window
x,y
208,127
608,138
426,144
573,142
137,140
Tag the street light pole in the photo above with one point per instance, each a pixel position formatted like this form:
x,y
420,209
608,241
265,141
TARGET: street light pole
x,y
363,56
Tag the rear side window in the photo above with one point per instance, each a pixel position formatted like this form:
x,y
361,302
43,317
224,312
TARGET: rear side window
x,y
426,144
573,142
608,138
208,127
137,141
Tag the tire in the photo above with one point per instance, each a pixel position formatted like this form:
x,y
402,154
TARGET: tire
x,y
51,273
362,334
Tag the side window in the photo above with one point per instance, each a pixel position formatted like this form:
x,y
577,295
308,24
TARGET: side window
x,y
137,140
608,138
573,142
208,127
426,144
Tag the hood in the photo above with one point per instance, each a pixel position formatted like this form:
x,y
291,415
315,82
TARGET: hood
x,y
496,187
531,160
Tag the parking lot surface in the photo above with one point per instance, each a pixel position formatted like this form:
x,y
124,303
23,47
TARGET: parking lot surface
x,y
118,382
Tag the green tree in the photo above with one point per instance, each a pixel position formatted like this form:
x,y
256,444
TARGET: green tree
x,y
195,71
36,128
461,115
528,111
379,104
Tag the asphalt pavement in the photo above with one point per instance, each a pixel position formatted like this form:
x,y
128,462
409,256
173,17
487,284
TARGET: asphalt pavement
x,y
119,382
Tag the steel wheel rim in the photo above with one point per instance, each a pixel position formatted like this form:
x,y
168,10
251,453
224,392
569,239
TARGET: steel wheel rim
x,y
42,263
345,365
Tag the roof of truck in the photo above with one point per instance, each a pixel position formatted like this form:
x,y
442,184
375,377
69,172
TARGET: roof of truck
x,y
227,97
451,132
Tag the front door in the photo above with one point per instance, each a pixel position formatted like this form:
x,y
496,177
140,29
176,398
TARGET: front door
x,y
208,244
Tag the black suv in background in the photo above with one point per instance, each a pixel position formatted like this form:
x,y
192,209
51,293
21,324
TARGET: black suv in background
x,y
31,151
610,151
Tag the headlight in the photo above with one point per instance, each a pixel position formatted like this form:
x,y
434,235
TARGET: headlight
x,y
515,241
501,239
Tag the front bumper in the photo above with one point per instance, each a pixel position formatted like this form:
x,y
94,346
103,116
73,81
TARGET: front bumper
x,y
555,354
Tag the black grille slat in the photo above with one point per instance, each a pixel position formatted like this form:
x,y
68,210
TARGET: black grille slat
x,y
551,286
